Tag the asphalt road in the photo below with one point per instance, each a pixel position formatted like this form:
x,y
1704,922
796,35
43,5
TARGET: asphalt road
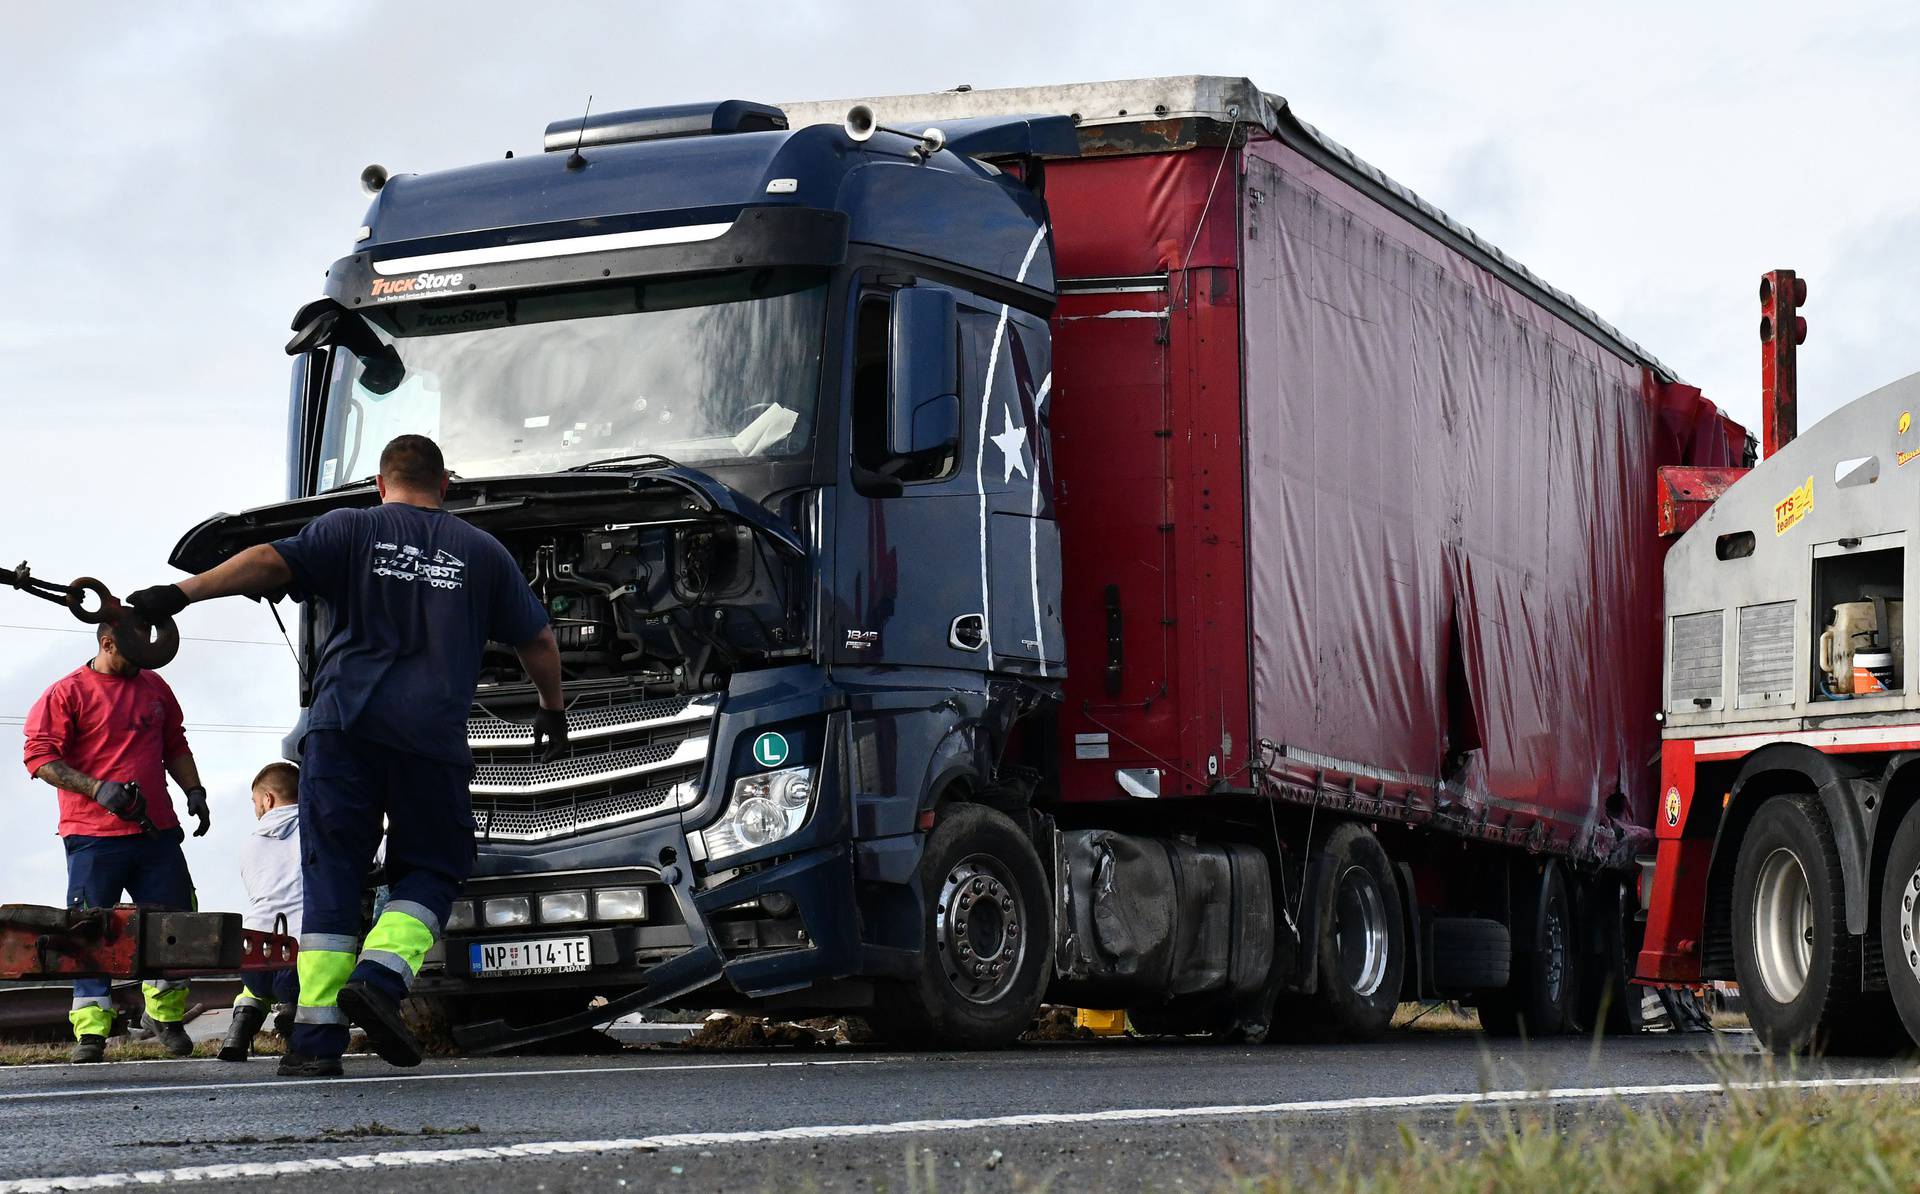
x,y
1123,1114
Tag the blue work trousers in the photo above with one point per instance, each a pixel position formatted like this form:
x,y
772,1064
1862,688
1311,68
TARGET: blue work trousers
x,y
351,788
148,869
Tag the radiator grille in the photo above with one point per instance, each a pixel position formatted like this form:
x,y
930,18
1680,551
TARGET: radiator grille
x,y
1766,649
1694,671
584,720
542,819
626,760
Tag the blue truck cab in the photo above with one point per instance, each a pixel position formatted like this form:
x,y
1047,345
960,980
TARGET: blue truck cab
x,y
759,411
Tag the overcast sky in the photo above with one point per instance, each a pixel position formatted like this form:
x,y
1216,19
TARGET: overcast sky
x,y
179,176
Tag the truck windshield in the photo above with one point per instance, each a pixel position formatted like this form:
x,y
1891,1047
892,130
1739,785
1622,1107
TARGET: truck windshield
x,y
710,369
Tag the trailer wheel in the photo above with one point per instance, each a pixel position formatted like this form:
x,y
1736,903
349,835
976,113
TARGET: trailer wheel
x,y
987,938
1608,999
1799,968
1538,999
1362,944
1900,922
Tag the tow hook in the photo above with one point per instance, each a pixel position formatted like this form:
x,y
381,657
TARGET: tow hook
x,y
147,644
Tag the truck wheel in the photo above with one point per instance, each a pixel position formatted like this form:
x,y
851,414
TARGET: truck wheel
x,y
1900,922
1363,945
1799,968
1608,998
1539,996
987,939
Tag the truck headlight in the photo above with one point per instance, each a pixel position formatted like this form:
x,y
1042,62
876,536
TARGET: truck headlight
x,y
764,809
507,912
460,916
559,907
620,903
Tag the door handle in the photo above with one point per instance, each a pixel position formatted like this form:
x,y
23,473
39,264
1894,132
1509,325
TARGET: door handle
x,y
968,632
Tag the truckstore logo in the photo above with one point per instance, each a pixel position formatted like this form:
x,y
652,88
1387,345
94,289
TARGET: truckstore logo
x,y
418,284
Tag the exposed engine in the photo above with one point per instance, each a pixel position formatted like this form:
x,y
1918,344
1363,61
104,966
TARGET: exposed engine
x,y
672,607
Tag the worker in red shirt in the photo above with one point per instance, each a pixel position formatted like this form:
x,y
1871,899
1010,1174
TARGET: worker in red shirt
x,y
107,735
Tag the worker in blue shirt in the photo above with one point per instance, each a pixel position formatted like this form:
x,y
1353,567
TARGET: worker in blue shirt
x,y
408,597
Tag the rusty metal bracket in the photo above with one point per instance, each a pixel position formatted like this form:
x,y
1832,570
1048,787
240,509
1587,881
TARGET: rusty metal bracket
x,y
132,942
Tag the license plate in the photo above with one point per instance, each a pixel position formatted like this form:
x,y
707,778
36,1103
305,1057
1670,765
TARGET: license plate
x,y
554,955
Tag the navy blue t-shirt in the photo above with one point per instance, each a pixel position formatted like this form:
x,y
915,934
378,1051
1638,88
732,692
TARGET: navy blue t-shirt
x,y
409,599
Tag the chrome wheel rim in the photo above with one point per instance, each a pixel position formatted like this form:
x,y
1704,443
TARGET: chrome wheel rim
x,y
1910,922
979,929
1783,926
1360,931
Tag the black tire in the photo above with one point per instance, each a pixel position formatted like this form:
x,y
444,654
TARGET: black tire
x,y
972,854
1789,842
1900,923
1608,1000
1362,944
1470,954
1538,999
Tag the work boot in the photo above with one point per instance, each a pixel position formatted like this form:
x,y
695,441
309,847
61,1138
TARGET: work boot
x,y
376,1013
171,1034
299,1065
247,1019
89,1048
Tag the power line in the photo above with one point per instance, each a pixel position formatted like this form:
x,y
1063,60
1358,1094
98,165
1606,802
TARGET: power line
x,y
207,727
194,638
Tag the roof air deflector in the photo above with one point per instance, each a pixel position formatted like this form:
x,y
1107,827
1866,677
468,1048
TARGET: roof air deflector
x,y
654,124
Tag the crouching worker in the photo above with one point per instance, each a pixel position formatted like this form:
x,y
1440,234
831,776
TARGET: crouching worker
x,y
270,868
107,735
409,595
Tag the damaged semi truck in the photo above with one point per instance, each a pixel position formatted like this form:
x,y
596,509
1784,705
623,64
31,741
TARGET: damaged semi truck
x,y
1100,540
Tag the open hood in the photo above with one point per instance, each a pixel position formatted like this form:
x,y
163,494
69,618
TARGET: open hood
x,y
641,493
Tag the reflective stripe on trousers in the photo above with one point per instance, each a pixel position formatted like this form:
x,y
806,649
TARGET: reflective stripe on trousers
x,y
91,1016
401,938
324,962
166,1000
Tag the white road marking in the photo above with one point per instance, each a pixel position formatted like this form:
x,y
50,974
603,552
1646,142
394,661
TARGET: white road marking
x,y
646,1144
435,1076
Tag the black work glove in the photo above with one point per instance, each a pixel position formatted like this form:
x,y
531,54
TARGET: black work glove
x,y
550,725
158,601
122,800
197,807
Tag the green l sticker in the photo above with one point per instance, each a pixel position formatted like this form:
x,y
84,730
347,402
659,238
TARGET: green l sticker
x,y
770,750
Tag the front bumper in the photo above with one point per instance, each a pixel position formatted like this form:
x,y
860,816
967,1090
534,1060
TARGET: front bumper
x,y
695,942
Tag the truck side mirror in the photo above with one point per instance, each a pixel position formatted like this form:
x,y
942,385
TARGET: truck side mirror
x,y
924,408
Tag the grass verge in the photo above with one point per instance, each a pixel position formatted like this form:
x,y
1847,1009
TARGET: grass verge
x,y
1753,1141
120,1049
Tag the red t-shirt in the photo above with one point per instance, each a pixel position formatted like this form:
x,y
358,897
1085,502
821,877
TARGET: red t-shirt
x,y
112,728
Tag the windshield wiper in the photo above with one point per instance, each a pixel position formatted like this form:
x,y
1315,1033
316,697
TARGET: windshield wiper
x,y
653,459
